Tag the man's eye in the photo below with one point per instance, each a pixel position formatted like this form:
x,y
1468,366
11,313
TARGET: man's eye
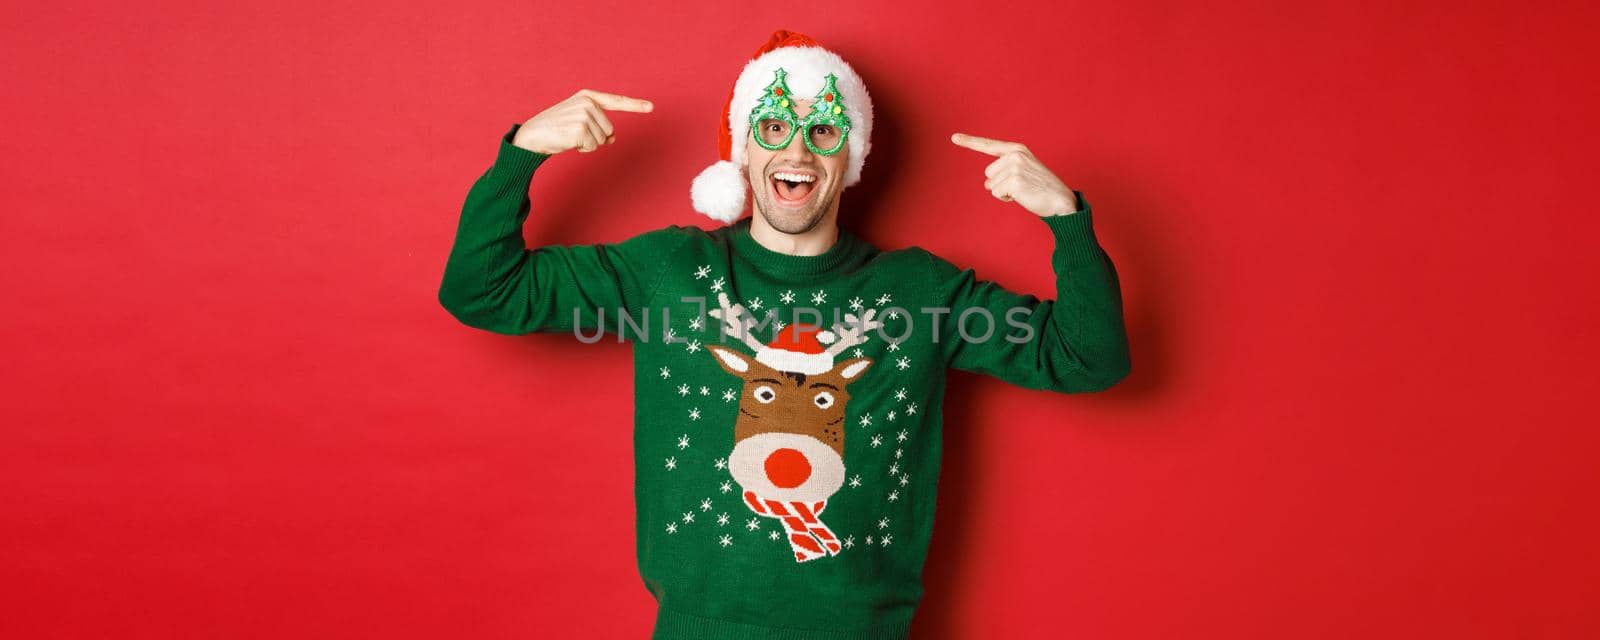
x,y
821,129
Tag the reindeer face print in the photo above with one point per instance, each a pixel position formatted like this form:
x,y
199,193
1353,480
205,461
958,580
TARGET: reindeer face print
x,y
788,452
792,402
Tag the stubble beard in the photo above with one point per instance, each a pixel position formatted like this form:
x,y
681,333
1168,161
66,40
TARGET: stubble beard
x,y
790,221
795,222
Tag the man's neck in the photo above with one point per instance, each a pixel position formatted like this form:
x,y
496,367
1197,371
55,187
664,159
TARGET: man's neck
x,y
810,243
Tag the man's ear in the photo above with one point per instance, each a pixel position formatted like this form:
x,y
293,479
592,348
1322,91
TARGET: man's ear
x,y
732,361
849,370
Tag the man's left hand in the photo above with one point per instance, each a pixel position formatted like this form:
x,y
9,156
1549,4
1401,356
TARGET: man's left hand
x,y
1017,176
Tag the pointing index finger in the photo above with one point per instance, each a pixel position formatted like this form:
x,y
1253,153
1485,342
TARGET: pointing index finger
x,y
614,102
985,145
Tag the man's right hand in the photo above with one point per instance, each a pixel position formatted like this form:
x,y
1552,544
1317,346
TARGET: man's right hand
x,y
579,122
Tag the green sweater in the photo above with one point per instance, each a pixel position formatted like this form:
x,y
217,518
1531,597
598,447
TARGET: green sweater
x,y
785,484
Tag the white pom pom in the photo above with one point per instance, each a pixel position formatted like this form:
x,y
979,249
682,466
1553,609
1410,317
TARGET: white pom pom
x,y
826,337
718,191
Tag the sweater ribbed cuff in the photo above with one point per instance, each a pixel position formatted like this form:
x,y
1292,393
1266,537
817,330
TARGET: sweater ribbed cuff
x,y
1074,234
676,625
515,164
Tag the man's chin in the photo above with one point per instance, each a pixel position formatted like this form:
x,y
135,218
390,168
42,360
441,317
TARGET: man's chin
x,y
793,223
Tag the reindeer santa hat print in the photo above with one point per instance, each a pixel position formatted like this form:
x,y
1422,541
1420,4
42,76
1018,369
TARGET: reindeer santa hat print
x,y
788,454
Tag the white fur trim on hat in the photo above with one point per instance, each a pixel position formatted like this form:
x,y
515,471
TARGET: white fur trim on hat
x,y
719,191
793,361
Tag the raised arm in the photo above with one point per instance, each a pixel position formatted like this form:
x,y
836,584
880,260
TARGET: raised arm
x,y
492,281
1075,343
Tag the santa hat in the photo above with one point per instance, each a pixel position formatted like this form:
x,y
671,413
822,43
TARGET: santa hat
x,y
799,349
719,190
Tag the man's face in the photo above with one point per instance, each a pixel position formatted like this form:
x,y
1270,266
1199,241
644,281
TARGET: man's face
x,y
795,206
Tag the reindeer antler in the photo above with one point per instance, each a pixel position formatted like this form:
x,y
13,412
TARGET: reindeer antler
x,y
852,331
735,320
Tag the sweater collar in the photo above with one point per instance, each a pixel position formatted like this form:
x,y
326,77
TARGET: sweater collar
x,y
847,252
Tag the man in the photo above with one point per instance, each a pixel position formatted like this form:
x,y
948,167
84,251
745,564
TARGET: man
x,y
788,375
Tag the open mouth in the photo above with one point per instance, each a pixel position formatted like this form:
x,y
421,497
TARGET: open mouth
x,y
793,188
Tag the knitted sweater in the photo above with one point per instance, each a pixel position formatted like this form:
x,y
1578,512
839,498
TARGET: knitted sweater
x,y
785,482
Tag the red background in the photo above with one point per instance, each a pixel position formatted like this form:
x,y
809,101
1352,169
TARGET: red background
x,y
1357,246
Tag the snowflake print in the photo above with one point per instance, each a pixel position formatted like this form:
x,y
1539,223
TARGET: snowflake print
x,y
905,479
672,463
705,391
786,297
903,363
755,305
885,540
877,439
727,395
716,285
772,536
883,299
665,373
696,323
893,347
869,541
672,527
894,469
694,413
858,352
900,394
722,463
891,415
911,409
849,542
705,505
856,481
898,452
725,540
722,519
688,516
671,335
683,389
855,303
883,523
702,272
819,297
693,346
866,419
894,495
778,325
893,315
726,486
752,525
900,437
683,442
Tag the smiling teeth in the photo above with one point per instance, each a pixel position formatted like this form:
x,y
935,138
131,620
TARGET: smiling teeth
x,y
794,177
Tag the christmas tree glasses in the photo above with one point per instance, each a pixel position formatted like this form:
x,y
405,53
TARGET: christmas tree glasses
x,y
773,121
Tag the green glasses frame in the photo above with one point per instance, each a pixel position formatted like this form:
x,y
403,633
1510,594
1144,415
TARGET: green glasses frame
x,y
827,108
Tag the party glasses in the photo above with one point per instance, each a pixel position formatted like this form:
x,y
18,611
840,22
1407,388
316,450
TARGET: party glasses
x,y
773,122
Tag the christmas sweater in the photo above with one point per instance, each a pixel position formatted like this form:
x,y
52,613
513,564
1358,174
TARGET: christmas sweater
x,y
786,474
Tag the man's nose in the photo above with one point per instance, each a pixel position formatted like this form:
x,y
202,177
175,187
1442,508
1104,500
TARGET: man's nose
x,y
797,150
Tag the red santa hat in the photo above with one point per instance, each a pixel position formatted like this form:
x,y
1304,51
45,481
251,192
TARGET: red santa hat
x,y
799,348
719,190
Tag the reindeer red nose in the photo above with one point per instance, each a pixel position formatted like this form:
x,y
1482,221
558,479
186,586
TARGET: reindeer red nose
x,y
787,468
